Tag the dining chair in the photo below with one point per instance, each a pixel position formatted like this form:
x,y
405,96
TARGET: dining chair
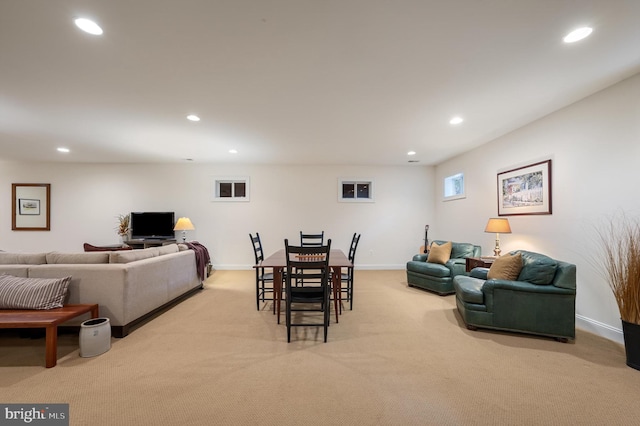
x,y
347,277
264,281
311,240
310,264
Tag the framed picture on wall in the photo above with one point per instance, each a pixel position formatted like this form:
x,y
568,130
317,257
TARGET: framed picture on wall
x,y
525,190
30,206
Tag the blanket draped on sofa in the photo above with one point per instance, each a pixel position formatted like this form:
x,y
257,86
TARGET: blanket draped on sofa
x,y
202,258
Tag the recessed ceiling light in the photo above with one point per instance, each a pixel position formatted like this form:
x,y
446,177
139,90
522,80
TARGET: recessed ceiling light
x,y
88,26
233,151
456,120
65,150
577,35
411,153
193,117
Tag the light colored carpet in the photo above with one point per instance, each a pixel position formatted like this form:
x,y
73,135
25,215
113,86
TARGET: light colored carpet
x,y
401,357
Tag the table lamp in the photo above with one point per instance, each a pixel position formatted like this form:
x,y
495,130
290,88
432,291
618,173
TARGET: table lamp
x,y
498,225
184,224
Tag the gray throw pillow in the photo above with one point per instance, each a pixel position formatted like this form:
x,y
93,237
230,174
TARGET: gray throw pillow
x,y
32,293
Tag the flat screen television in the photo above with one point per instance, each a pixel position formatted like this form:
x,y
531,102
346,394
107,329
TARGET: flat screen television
x,y
152,225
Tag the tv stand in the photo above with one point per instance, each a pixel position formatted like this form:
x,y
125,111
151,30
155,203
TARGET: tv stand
x,y
144,243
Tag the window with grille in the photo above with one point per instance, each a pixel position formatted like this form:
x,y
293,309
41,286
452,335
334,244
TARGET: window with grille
x,y
355,190
231,189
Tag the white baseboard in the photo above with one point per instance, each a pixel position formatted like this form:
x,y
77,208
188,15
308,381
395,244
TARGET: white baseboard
x,y
387,267
600,329
232,267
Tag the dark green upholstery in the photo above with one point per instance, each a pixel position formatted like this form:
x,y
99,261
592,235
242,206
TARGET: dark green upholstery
x,y
541,301
436,277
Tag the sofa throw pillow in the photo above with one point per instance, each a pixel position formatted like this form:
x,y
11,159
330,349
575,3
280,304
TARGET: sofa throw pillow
x,y
55,257
131,255
23,258
506,267
439,253
168,249
32,293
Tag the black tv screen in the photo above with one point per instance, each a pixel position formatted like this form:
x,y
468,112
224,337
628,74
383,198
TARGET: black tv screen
x,y
152,225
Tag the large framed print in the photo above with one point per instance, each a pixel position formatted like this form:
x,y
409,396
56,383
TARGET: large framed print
x,y
525,190
31,206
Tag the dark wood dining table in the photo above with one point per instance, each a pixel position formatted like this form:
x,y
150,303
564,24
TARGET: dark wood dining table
x,y
278,261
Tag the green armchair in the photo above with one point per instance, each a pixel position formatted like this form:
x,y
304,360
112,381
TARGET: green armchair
x,y
541,301
436,277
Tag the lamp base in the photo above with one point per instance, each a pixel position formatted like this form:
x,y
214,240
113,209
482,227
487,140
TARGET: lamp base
x,y
496,250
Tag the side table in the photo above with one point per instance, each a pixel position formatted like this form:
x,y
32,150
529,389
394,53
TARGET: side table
x,y
48,319
479,262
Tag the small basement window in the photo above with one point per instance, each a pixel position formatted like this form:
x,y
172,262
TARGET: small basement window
x,y
231,189
454,187
355,190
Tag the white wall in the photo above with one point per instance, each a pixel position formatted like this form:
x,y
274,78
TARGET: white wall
x,y
86,198
595,150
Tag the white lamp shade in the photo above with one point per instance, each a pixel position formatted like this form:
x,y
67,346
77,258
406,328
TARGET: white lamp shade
x,y
498,225
184,224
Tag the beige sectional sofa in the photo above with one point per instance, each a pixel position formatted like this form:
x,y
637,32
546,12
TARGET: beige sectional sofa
x,y
128,285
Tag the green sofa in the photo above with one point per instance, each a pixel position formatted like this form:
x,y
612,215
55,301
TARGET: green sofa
x,y
541,301
436,277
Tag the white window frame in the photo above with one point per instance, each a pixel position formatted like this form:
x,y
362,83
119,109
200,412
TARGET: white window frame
x,y
356,182
451,191
231,179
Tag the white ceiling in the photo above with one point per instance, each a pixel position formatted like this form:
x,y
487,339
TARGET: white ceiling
x,y
296,81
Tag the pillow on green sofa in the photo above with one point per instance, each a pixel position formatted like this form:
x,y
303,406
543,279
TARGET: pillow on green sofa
x,y
32,293
439,253
506,267
537,268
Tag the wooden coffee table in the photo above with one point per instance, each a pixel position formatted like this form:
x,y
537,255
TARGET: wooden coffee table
x,y
49,319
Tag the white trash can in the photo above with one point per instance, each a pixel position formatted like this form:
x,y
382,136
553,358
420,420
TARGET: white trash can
x,y
95,337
